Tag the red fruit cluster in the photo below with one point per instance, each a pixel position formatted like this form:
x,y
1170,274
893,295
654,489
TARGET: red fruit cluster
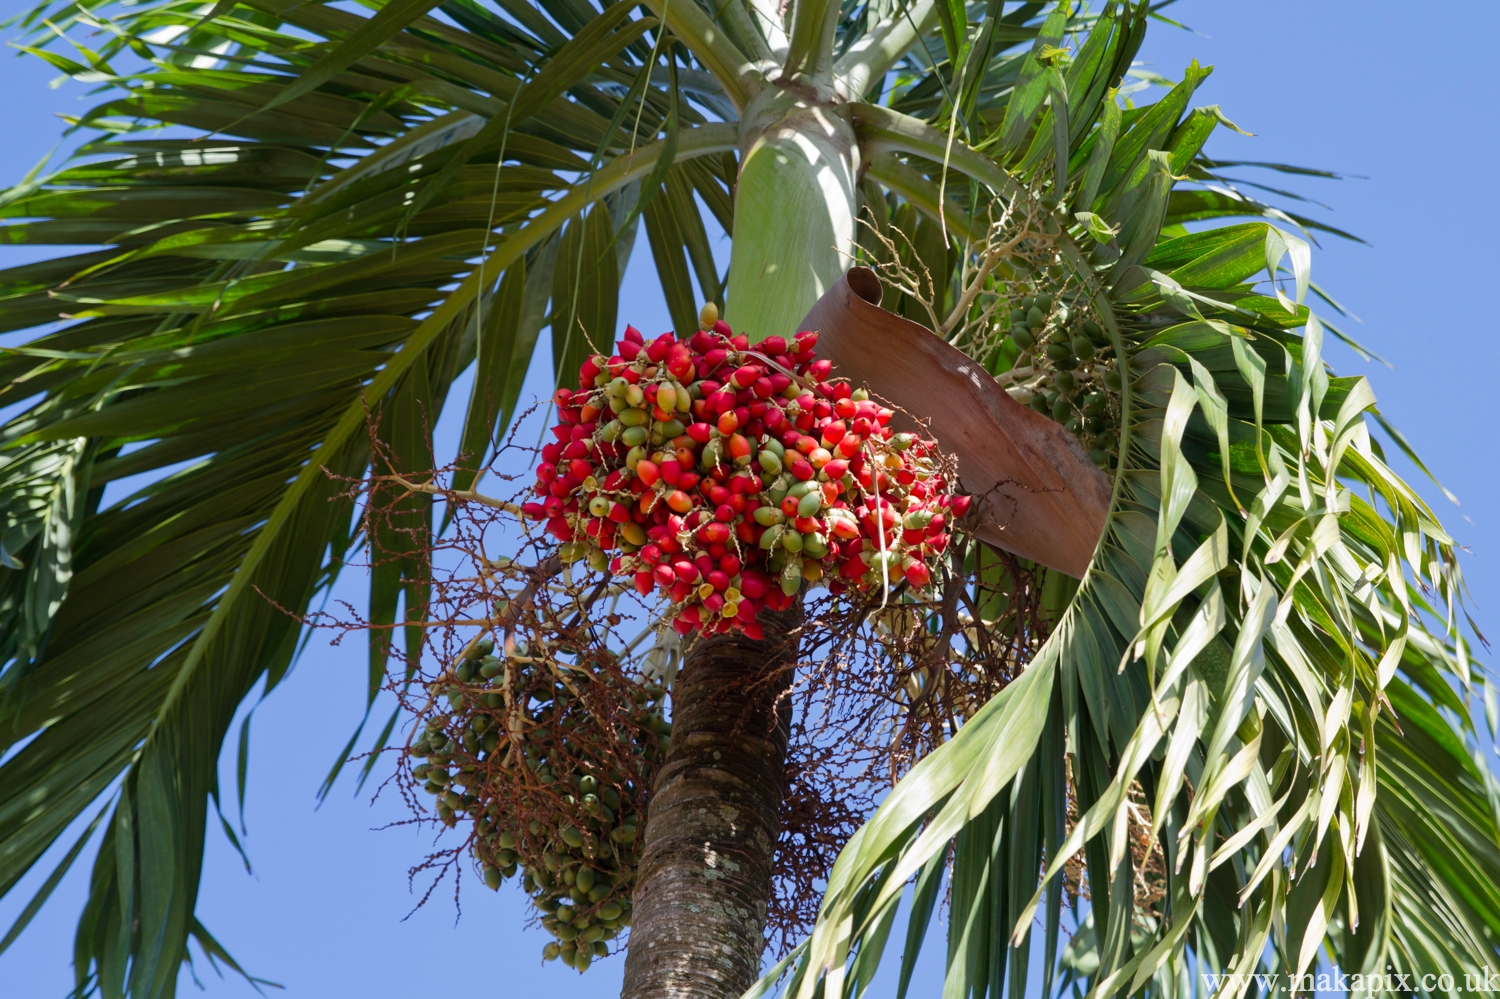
x,y
727,476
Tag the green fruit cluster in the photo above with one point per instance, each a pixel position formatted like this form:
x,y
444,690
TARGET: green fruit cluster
x,y
554,785
1085,382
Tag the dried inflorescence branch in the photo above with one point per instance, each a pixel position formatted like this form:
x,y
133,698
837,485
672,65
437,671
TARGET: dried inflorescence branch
x,y
538,692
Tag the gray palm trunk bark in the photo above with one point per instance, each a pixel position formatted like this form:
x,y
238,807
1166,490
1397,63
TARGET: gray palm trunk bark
x,y
698,926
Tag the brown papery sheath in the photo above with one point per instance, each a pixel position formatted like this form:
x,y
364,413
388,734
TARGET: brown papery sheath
x,y
1038,494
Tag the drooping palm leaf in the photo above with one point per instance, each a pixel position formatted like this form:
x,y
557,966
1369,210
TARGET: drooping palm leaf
x,y
263,289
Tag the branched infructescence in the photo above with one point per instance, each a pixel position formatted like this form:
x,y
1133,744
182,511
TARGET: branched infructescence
x,y
539,689
1020,310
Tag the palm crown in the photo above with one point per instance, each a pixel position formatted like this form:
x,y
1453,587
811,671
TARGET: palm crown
x,y
351,210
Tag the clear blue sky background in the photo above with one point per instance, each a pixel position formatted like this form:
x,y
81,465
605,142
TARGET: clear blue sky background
x,y
1399,93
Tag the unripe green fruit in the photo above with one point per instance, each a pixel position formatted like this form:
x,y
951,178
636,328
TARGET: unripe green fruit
x,y
492,878
1112,380
1058,351
551,952
1022,336
1060,409
1035,318
1064,381
585,878
465,671
1039,403
1082,348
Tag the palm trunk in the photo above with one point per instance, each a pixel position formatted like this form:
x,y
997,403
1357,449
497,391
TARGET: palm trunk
x,y
698,928
698,923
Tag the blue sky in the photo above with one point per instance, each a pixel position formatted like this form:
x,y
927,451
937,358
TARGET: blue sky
x,y
1398,94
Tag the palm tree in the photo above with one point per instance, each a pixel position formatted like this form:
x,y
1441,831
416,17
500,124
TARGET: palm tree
x,y
1259,692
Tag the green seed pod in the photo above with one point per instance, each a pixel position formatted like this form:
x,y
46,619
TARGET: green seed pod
x,y
465,671
571,836
1060,409
566,932
634,436
1098,457
1039,403
600,949
1064,381
814,545
1028,302
1083,347
1093,403
489,667
810,504
768,540
551,952
492,878
1112,380
1058,351
583,959
1107,441
1069,363
612,430
585,879
598,893
1035,318
1073,426
1094,331
792,541
1022,336
671,428
770,462
1018,317
1044,302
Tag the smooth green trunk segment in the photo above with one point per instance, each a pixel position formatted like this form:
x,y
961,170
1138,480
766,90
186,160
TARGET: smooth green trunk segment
x,y
793,220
